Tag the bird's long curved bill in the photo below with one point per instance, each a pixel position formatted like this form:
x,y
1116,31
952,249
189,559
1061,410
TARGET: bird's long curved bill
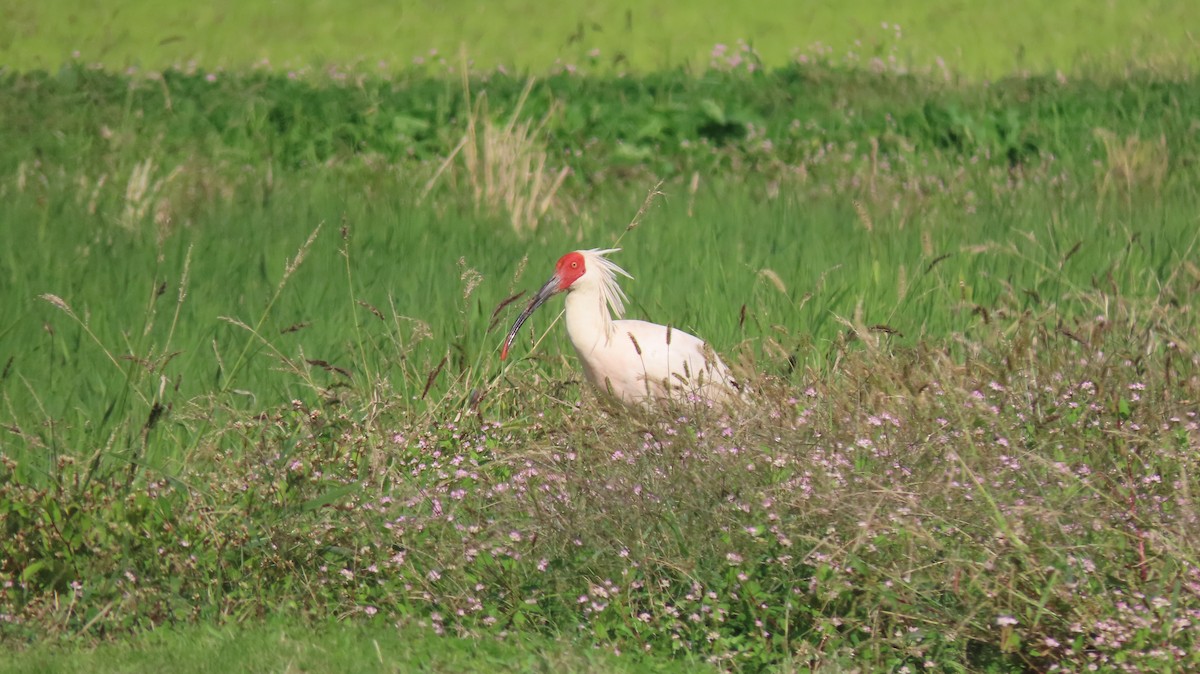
x,y
538,300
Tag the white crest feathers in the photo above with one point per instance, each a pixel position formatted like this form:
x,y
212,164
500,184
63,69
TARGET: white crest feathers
x,y
607,271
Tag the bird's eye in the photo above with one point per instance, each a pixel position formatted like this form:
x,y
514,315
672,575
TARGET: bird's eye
x,y
574,265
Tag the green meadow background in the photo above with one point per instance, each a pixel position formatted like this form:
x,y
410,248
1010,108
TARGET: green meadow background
x,y
981,40
257,259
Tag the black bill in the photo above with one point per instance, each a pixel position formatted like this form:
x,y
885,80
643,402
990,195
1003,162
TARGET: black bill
x,y
538,300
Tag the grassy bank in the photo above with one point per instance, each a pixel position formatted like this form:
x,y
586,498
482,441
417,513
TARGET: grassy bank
x,y
983,41
276,645
247,331
238,129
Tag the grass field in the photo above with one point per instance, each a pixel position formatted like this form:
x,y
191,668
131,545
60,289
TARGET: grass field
x,y
976,40
330,648
252,411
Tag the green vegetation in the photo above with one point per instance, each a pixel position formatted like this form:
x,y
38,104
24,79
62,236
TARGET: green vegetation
x,y
357,647
981,40
249,381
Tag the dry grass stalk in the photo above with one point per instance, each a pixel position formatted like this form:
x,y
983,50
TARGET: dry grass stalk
x,y
506,167
141,193
1132,164
863,216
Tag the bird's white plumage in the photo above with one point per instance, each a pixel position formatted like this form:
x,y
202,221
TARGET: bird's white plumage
x,y
636,360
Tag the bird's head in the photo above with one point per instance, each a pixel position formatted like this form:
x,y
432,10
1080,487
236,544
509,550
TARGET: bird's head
x,y
577,270
572,268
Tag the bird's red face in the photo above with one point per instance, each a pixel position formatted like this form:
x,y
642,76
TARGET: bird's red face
x,y
568,270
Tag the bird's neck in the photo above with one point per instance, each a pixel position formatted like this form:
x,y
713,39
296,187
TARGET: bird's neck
x,y
588,322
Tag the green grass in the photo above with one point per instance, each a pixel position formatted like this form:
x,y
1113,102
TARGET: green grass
x,y
977,39
248,367
277,645
97,378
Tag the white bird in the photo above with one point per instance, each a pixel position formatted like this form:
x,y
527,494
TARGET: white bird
x,y
636,361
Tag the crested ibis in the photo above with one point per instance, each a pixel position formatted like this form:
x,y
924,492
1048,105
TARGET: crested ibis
x,y
636,361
